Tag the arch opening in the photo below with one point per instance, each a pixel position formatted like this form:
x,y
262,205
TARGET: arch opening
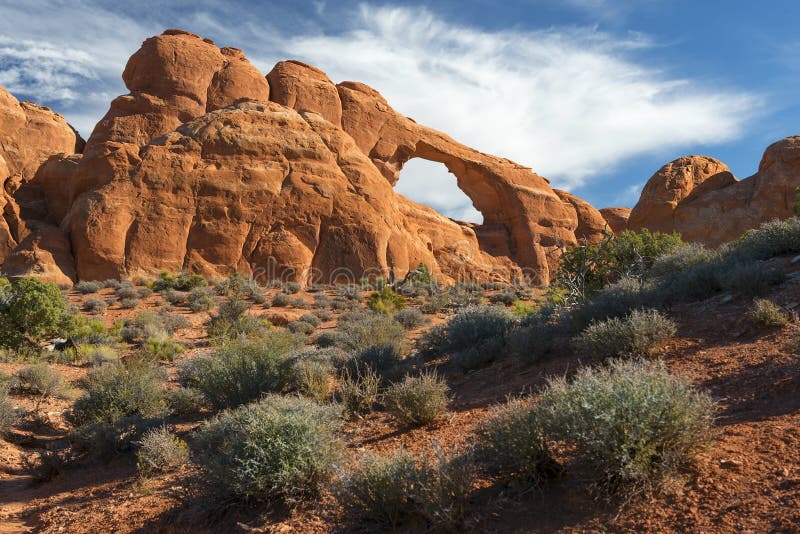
x,y
430,183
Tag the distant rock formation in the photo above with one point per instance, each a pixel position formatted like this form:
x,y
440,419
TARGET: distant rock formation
x,y
698,196
208,166
617,218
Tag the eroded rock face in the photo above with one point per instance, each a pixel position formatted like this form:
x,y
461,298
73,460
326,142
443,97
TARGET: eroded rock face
x,y
208,166
617,218
707,204
29,135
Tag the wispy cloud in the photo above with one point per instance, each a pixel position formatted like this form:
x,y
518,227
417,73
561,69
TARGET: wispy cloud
x,y
570,102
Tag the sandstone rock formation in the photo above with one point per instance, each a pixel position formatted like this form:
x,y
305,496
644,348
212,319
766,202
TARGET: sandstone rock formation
x,y
29,135
208,166
617,218
698,196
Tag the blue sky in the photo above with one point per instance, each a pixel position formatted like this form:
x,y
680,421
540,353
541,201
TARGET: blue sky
x,y
593,94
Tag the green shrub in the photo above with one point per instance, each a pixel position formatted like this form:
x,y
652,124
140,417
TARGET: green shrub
x,y
160,451
635,422
103,440
80,329
410,318
542,334
635,335
98,355
417,400
117,391
87,287
477,324
40,379
359,330
280,448
403,493
281,300
615,300
200,299
750,279
358,390
321,300
323,315
180,282
30,311
435,302
241,371
506,298
161,349
311,319
176,298
767,314
697,282
480,355
511,443
185,402
386,301
8,415
771,239
300,327
349,292
433,342
232,320
385,360
95,306
680,259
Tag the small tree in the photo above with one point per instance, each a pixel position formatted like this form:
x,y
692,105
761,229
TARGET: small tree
x,y
30,310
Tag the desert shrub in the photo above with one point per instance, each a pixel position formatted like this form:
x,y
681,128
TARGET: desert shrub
x,y
680,259
506,298
766,313
175,322
95,306
312,377
634,421
329,339
300,327
417,400
98,355
200,299
280,448
410,318
281,300
103,440
117,391
185,401
127,292
771,239
161,349
323,315
435,302
341,304
176,298
144,292
359,330
40,379
80,329
433,341
511,443
232,320
30,311
112,283
386,301
635,335
464,295
697,282
750,279
348,291
358,390
179,282
292,287
242,370
383,358
586,269
334,356
523,310
160,451
476,324
8,415
87,287
321,300
480,355
615,300
404,493
311,319
129,303
540,337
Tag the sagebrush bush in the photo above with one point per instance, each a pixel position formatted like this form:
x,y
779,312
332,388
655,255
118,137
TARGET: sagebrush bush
x,y
385,360
436,302
386,301
180,282
292,287
129,304
185,401
680,259
87,287
301,327
161,349
112,283
634,421
417,400
615,300
511,443
115,391
635,335
312,377
749,279
176,298
410,318
480,355
408,494
98,355
506,297
95,306
8,416
160,451
771,239
321,300
477,324
233,320
766,313
279,448
433,342
241,371
358,390
281,300
40,379
200,299
127,292
359,330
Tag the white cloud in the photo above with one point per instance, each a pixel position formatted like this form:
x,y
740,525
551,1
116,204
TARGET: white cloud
x,y
571,103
